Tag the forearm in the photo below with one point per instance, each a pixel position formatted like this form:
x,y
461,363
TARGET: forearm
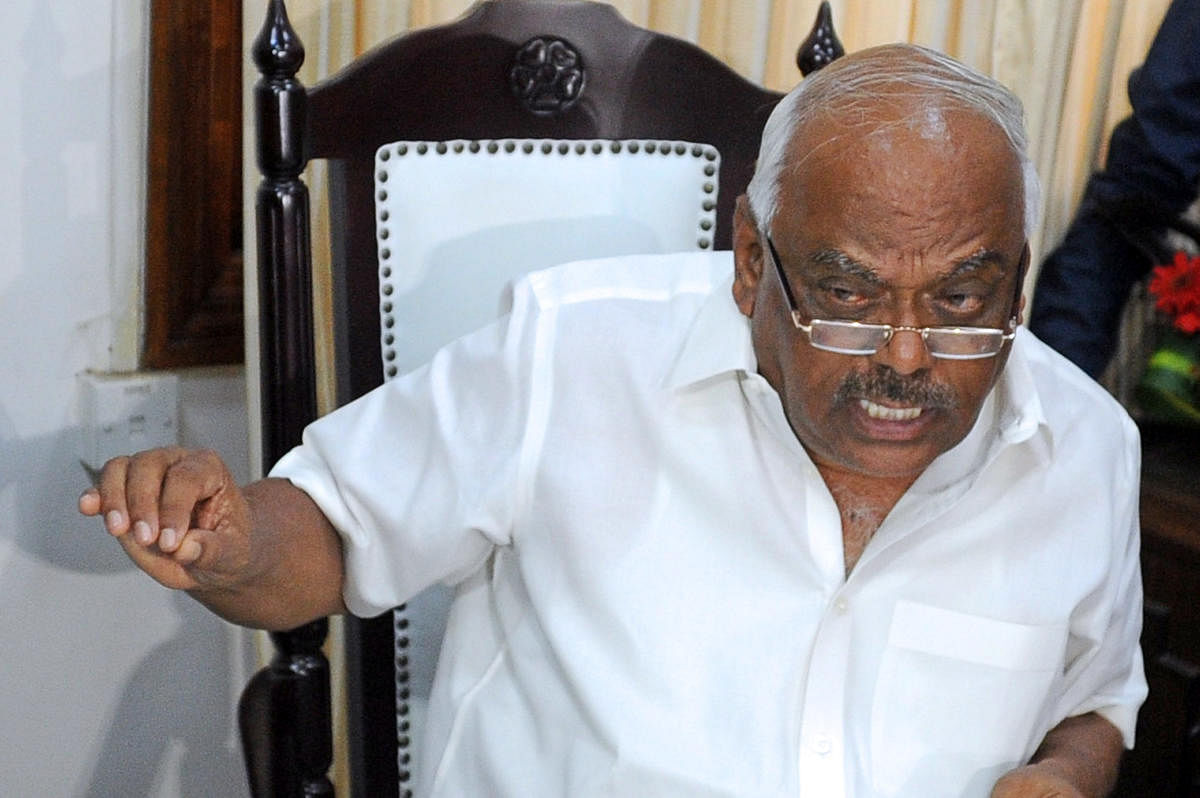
x,y
294,572
1086,750
1078,758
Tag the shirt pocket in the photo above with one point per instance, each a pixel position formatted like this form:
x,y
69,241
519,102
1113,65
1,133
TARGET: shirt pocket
x,y
958,700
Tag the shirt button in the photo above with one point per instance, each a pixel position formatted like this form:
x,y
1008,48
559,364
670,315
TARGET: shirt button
x,y
822,744
841,605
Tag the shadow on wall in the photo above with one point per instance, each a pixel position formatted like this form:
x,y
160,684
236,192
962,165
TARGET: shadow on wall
x,y
174,706
177,701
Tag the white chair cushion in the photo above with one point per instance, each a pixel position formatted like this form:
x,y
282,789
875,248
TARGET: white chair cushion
x,y
475,215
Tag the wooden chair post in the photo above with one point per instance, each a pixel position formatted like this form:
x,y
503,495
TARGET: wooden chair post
x,y
285,710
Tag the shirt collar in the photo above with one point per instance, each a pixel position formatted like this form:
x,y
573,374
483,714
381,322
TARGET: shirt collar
x,y
717,343
1021,415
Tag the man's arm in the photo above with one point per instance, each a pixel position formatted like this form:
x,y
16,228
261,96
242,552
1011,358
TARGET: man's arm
x,y
262,556
1078,758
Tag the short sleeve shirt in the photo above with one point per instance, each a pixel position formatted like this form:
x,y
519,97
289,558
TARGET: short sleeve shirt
x,y
650,595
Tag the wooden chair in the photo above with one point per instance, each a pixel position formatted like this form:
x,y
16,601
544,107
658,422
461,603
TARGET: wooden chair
x,y
561,79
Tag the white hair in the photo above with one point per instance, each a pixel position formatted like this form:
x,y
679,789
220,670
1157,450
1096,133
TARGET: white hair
x,y
935,80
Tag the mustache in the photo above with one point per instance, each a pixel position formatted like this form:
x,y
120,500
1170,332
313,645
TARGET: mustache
x,y
883,384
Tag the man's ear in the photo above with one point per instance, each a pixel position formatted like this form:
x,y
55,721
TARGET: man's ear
x,y
747,256
1022,270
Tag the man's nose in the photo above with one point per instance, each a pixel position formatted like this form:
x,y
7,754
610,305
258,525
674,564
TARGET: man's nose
x,y
905,352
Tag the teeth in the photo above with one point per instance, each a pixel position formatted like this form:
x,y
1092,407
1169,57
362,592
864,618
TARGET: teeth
x,y
889,413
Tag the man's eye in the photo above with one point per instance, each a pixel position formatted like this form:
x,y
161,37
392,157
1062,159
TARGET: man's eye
x,y
963,301
847,296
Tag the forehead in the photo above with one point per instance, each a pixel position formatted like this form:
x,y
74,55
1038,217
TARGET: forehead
x,y
902,183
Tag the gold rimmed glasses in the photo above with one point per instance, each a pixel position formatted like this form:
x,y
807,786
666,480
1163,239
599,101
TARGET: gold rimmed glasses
x,y
860,338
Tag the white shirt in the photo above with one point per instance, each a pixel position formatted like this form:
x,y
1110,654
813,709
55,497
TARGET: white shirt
x,y
651,598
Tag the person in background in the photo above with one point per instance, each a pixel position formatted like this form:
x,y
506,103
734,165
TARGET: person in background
x,y
1150,176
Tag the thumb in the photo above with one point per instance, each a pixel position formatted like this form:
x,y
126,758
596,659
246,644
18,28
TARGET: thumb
x,y
213,558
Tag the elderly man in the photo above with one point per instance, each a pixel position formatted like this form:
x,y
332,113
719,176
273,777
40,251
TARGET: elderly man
x,y
812,519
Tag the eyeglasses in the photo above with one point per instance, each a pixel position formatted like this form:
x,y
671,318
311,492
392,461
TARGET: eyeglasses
x,y
858,338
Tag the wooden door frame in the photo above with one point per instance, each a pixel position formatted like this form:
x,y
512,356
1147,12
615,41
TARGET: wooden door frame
x,y
193,285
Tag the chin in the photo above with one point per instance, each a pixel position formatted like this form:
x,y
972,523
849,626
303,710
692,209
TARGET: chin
x,y
884,462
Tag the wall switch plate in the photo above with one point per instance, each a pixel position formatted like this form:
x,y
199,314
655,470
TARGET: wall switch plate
x,y
126,413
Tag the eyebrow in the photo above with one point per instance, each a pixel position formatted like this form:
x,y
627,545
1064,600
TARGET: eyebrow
x,y
855,268
845,264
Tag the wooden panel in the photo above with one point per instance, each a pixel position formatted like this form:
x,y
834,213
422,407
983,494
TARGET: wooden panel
x,y
194,185
1164,761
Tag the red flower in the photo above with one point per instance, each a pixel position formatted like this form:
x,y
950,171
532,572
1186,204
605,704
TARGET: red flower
x,y
1176,289
1188,322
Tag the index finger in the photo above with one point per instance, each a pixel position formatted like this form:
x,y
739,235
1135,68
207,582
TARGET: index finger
x,y
109,496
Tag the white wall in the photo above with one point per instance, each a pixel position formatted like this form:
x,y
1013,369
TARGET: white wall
x,y
109,685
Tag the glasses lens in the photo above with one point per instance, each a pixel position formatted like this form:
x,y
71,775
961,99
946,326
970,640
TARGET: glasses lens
x,y
963,343
848,337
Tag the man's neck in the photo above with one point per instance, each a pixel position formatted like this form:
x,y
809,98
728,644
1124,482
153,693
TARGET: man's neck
x,y
863,502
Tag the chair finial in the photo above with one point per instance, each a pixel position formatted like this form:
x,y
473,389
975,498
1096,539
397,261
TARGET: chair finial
x,y
277,50
822,45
